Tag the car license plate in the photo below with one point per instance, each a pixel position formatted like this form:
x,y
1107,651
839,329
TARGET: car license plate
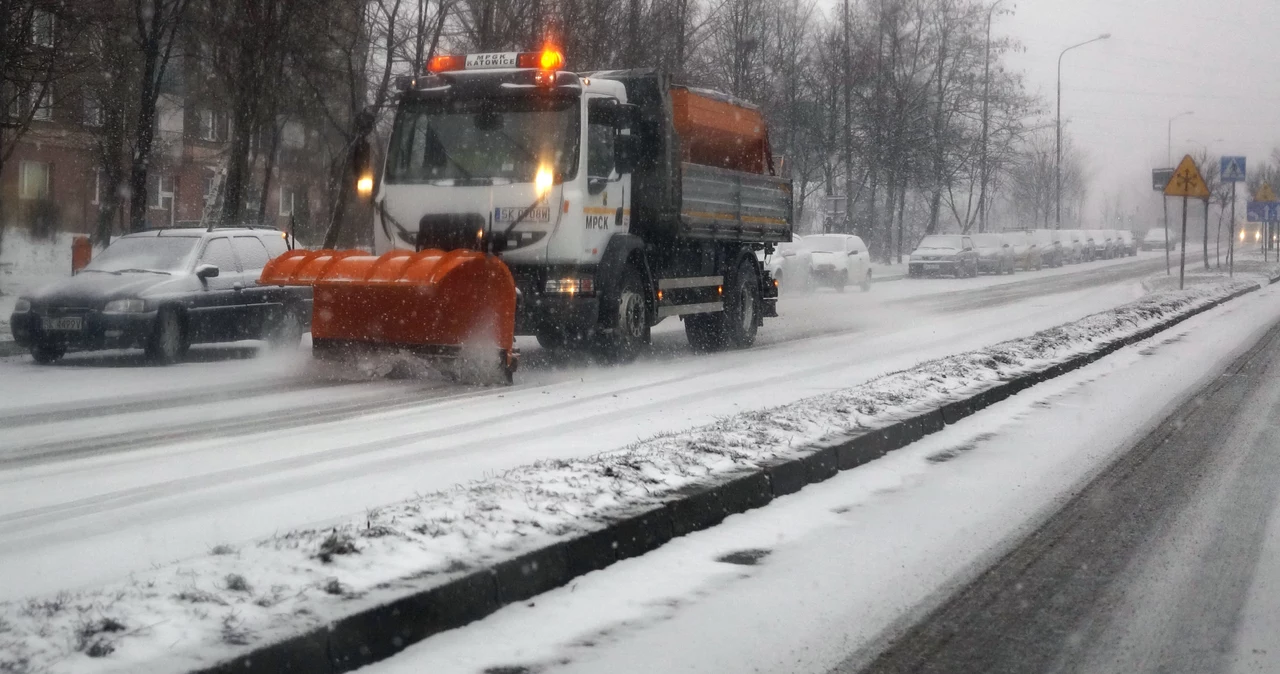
x,y
932,266
509,214
63,323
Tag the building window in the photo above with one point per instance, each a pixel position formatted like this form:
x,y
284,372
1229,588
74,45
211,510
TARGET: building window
x,y
34,179
214,125
42,28
161,193
286,201
44,107
92,111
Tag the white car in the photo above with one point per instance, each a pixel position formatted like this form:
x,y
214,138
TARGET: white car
x,y
789,266
837,260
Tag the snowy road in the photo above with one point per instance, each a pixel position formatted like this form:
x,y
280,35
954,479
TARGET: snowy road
x,y
133,466
823,580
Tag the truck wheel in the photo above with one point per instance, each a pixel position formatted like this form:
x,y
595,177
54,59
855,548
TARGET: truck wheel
x,y
168,339
47,353
627,329
741,313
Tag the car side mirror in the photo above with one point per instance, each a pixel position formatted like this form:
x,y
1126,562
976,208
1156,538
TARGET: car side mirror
x,y
596,185
206,271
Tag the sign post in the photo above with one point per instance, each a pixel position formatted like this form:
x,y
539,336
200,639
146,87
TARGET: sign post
x,y
1159,181
1233,170
1186,183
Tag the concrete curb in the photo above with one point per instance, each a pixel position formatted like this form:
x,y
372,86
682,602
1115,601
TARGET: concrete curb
x,y
381,631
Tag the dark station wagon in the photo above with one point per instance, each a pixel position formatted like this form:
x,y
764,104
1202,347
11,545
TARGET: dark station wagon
x,y
163,290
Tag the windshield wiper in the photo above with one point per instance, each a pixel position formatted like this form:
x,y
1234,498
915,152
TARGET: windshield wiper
x,y
144,271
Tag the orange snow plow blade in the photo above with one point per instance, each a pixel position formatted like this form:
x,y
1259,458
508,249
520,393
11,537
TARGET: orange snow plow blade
x,y
455,305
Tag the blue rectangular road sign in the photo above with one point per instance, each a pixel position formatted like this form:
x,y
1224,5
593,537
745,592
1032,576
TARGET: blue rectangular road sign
x,y
1263,211
1233,169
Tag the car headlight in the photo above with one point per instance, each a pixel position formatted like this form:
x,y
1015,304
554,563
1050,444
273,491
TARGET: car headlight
x,y
22,306
131,306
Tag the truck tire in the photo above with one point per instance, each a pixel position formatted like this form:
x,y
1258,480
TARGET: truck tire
x,y
736,326
626,325
741,313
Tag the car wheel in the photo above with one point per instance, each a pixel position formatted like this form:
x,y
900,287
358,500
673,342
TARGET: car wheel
x,y
168,339
286,331
866,282
45,354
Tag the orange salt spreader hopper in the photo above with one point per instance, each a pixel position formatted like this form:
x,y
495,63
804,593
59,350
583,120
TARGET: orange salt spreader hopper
x,y
455,306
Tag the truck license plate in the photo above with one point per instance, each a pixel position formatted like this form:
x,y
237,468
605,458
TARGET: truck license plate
x,y
509,214
63,323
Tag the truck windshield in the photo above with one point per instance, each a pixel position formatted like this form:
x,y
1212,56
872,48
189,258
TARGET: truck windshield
x,y
483,141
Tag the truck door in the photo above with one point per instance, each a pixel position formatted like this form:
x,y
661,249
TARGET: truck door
x,y
607,209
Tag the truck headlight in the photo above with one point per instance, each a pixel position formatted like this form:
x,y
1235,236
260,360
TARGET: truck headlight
x,y
131,306
570,286
22,306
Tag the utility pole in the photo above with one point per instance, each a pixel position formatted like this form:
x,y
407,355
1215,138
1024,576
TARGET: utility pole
x,y
986,101
1231,240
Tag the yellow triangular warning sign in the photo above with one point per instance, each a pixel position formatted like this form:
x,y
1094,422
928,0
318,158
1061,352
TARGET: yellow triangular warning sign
x,y
1265,193
1186,181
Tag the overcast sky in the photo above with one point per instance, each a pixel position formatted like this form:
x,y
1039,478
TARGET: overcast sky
x,y
1216,58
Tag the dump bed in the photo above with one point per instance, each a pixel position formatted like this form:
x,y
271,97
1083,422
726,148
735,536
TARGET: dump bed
x,y
704,169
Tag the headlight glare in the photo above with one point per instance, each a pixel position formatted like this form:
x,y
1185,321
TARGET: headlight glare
x,y
131,306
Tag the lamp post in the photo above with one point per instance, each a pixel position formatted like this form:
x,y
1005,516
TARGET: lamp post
x,y
1058,163
986,97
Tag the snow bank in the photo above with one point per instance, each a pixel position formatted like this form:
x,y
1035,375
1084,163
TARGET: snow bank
x,y
202,611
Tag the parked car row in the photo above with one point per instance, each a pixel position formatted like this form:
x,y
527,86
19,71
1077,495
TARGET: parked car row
x,y
163,290
961,255
820,260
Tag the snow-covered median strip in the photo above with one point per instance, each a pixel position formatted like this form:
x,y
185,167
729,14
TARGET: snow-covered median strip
x,y
208,610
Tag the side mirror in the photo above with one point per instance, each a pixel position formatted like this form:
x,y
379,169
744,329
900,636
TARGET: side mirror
x,y
206,271
626,116
853,252
625,154
596,185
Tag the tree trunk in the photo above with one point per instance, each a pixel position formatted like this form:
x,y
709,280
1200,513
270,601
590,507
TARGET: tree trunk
x,y
143,138
1206,234
902,209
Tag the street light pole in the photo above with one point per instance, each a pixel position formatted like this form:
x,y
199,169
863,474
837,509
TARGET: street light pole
x,y
1058,162
986,97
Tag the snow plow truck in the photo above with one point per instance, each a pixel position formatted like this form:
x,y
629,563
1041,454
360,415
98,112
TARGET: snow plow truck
x,y
518,198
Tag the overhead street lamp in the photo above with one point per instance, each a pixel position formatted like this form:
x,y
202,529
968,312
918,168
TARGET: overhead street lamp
x,y
1058,162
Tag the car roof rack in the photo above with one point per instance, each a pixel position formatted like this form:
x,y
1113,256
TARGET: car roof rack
x,y
148,230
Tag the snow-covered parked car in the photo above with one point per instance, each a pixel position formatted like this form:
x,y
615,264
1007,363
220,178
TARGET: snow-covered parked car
x,y
837,260
994,255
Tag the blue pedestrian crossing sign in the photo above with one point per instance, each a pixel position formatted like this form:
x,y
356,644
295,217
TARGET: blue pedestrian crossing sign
x,y
1233,169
